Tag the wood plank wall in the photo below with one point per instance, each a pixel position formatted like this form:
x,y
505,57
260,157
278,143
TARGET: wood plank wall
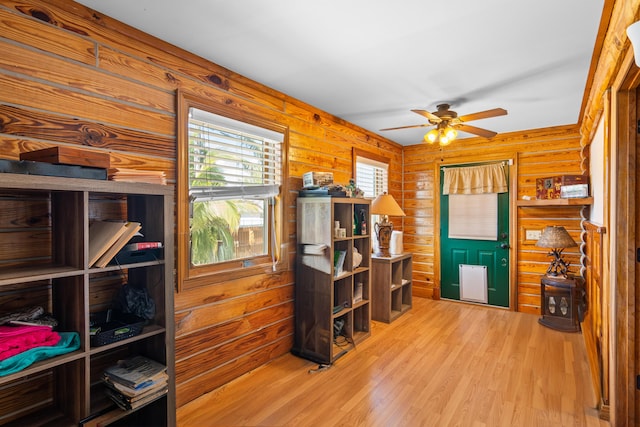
x,y
71,76
535,154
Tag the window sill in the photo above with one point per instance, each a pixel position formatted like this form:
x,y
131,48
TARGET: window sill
x,y
198,279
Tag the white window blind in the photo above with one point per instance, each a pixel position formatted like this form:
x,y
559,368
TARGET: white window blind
x,y
372,176
229,158
473,216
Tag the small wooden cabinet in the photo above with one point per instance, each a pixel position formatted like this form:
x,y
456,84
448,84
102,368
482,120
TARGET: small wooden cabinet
x,y
563,302
333,309
391,286
44,252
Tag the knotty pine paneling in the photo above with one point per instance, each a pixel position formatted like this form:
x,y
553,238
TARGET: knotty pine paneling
x,y
227,351
72,76
536,154
56,129
70,101
82,77
30,32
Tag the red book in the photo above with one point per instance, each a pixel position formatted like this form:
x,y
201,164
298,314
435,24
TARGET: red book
x,y
142,245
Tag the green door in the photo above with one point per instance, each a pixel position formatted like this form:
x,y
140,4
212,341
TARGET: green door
x,y
494,253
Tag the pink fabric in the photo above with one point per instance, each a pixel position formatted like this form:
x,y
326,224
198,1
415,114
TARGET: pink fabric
x,y
16,339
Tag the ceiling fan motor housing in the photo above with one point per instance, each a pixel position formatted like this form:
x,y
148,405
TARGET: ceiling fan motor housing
x,y
444,114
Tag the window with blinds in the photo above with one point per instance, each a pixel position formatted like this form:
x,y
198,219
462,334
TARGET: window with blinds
x,y
235,172
372,176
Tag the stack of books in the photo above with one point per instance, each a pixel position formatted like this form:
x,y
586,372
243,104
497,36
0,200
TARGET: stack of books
x,y
136,381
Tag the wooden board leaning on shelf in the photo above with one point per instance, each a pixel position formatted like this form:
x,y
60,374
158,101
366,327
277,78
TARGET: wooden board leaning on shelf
x,y
131,228
102,235
106,238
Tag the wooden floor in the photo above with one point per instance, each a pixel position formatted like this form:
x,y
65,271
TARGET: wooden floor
x,y
441,364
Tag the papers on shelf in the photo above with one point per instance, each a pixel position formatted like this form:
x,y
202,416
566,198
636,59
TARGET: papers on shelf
x,y
136,372
320,263
136,175
315,249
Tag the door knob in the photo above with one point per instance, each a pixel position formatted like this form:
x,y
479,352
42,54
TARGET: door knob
x,y
503,245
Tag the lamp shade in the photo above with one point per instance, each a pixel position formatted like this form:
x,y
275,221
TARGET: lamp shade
x,y
633,32
385,204
555,236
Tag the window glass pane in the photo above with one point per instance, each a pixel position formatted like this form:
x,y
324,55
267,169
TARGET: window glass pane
x,y
234,172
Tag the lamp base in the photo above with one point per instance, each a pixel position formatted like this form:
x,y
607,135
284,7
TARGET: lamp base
x,y
558,266
383,253
383,233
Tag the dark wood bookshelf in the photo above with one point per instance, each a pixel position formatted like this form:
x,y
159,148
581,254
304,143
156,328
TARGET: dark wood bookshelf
x,y
55,273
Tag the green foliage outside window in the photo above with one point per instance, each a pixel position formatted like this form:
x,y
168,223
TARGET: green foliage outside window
x,y
228,170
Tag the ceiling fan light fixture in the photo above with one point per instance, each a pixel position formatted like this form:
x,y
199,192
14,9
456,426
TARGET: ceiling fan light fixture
x,y
451,133
444,135
431,136
445,140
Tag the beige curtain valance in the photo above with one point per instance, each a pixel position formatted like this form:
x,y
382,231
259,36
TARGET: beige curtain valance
x,y
475,179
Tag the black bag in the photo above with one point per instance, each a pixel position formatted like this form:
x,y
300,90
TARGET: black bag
x,y
135,300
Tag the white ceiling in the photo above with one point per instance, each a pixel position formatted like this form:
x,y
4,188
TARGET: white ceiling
x,y
371,61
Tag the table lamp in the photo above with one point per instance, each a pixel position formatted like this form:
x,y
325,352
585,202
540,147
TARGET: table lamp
x,y
385,206
556,238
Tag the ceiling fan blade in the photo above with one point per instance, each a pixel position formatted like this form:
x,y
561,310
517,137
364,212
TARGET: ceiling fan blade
x,y
476,131
408,127
483,115
430,116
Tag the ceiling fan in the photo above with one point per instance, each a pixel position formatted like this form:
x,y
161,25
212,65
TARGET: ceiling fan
x,y
447,123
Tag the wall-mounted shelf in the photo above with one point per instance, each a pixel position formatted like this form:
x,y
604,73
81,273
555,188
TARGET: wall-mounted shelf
x,y
556,202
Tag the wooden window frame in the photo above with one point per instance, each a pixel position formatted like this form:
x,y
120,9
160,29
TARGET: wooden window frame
x,y
188,275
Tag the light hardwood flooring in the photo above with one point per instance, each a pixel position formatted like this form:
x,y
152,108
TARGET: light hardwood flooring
x,y
441,364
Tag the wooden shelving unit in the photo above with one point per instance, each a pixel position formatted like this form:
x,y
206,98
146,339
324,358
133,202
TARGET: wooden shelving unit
x,y
391,286
327,296
53,272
